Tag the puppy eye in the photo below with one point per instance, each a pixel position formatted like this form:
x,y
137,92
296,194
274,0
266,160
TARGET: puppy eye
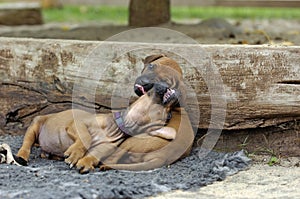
x,y
151,66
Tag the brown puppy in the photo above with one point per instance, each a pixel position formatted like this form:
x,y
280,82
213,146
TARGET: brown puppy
x,y
146,152
86,139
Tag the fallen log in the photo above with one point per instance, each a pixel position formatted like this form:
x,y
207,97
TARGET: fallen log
x,y
255,86
20,13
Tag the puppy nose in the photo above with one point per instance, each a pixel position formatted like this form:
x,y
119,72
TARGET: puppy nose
x,y
146,82
142,81
161,88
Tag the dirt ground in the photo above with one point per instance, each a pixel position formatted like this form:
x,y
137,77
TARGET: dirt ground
x,y
261,180
44,178
212,31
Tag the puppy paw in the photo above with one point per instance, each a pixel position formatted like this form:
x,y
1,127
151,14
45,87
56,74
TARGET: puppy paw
x,y
22,157
104,167
86,164
21,161
73,156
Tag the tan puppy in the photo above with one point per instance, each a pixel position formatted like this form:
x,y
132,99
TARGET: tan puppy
x,y
86,139
148,152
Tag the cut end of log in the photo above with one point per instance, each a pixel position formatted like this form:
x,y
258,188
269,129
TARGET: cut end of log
x,y
20,13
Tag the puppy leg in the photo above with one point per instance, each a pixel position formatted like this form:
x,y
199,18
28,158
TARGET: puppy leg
x,y
30,138
115,156
49,156
94,156
168,133
142,166
82,141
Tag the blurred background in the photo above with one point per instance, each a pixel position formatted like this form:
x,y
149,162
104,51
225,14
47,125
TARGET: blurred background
x,y
207,21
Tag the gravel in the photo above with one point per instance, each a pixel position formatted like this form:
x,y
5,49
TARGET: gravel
x,y
53,179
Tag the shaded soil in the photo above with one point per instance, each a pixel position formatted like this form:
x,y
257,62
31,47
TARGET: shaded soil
x,y
53,179
212,31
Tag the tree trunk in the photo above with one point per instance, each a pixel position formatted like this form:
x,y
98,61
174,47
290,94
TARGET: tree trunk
x,y
51,3
149,12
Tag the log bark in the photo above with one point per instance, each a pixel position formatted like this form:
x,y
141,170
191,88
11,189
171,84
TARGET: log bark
x,y
260,84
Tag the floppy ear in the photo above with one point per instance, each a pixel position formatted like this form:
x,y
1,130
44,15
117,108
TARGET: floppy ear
x,y
152,58
168,133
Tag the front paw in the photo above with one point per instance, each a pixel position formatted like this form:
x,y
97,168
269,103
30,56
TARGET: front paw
x,y
73,155
104,167
22,157
86,164
21,161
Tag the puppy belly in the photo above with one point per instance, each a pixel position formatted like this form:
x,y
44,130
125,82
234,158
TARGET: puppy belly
x,y
54,143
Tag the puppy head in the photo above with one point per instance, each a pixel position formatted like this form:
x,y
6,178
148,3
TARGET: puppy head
x,y
159,68
164,61
151,111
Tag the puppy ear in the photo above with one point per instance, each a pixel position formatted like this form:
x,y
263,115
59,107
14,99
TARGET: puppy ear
x,y
168,133
152,58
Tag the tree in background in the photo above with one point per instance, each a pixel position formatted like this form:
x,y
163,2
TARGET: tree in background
x,y
149,12
51,3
